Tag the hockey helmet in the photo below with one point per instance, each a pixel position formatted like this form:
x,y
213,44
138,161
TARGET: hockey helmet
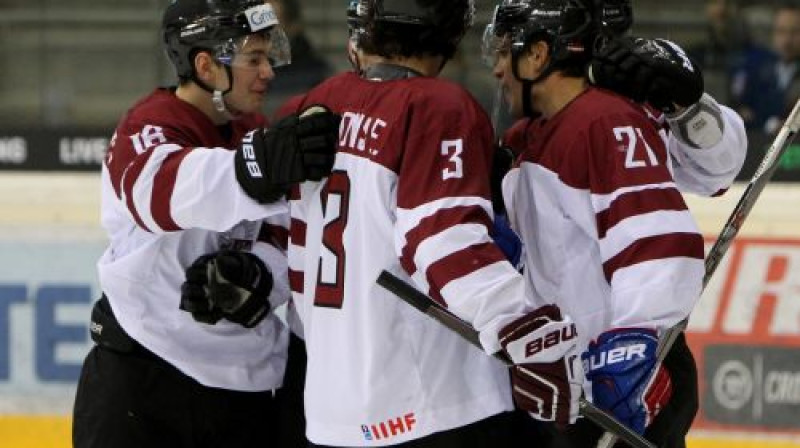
x,y
442,22
567,26
220,27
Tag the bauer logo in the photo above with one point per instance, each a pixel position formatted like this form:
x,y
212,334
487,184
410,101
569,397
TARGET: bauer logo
x,y
754,386
249,154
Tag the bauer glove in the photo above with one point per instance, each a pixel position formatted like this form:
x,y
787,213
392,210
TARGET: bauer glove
x,y
627,379
546,377
296,149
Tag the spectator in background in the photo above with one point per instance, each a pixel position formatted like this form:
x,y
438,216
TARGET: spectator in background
x,y
727,47
308,68
764,92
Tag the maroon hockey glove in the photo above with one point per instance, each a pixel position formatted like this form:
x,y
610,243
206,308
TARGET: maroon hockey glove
x,y
230,284
294,150
547,377
655,71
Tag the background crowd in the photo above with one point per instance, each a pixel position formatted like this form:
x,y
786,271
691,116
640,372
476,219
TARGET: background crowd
x,y
79,66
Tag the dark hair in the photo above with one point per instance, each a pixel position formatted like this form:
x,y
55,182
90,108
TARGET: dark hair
x,y
414,27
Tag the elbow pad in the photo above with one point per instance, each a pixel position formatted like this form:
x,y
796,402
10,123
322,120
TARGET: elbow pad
x,y
700,126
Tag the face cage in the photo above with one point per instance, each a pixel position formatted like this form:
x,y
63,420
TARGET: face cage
x,y
502,35
278,54
506,32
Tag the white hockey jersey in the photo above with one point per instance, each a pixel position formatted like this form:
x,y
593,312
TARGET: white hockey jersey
x,y
607,234
409,193
169,195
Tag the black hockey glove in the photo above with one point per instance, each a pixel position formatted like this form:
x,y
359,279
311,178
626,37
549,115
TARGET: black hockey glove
x,y
230,284
655,71
295,149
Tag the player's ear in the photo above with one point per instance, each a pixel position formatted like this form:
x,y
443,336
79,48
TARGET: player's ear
x,y
535,59
204,65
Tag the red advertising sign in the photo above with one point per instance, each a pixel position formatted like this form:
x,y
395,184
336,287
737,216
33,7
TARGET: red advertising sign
x,y
745,335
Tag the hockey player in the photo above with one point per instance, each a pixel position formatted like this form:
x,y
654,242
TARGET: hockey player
x,y
192,181
543,48
409,193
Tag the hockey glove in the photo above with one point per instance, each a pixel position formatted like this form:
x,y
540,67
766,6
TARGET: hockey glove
x,y
230,284
296,149
655,71
626,378
546,378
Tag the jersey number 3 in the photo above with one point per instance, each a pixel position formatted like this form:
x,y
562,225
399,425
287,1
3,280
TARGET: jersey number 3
x,y
330,275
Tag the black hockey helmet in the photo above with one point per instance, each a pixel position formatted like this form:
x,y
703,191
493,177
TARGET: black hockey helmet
x,y
436,26
568,26
218,26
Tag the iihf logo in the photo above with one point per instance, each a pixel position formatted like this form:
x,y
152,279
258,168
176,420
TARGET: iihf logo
x,y
389,428
366,431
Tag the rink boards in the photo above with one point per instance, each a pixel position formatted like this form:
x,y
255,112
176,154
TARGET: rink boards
x,y
745,332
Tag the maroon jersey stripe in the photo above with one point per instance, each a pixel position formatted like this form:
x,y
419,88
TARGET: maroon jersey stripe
x,y
459,264
296,281
658,247
294,193
437,222
163,187
638,203
719,193
129,179
275,235
297,232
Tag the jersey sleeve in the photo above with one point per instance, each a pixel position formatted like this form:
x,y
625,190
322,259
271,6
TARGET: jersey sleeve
x,y
169,183
710,171
271,247
444,213
649,244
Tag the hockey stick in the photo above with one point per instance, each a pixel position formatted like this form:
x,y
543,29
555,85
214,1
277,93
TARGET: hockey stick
x,y
731,228
425,304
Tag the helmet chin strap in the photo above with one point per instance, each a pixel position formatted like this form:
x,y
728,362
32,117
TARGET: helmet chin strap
x,y
218,96
527,85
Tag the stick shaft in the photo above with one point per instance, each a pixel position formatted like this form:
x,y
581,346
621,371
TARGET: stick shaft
x,y
422,302
731,228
